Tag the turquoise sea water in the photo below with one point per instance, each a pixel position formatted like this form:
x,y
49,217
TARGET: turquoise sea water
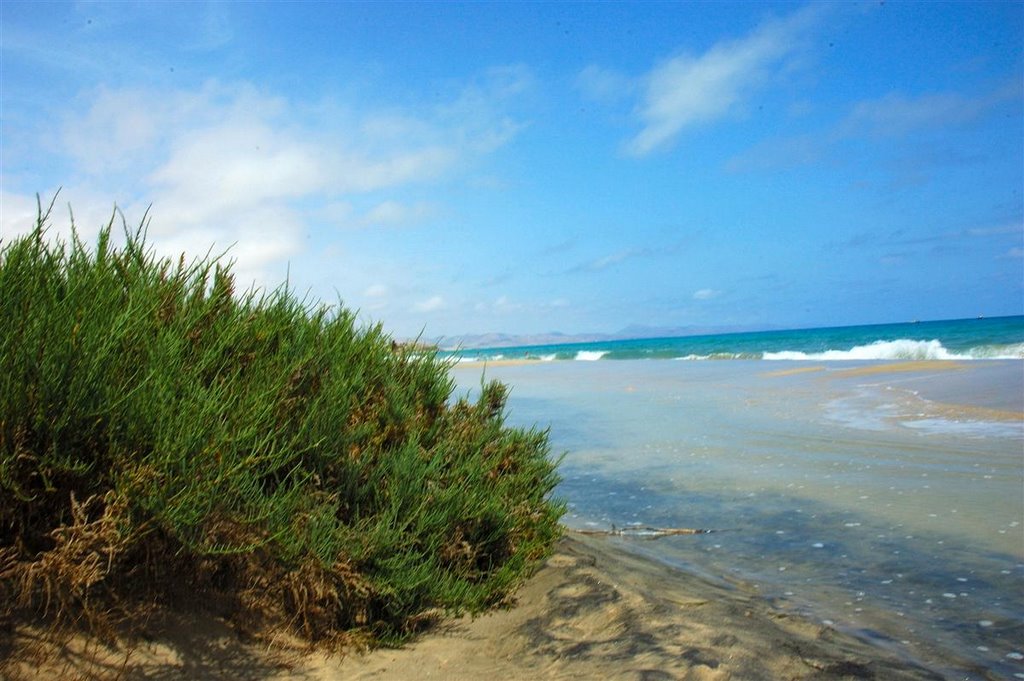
x,y
1000,337
883,498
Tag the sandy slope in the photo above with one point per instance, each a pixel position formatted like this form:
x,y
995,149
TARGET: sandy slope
x,y
599,613
592,612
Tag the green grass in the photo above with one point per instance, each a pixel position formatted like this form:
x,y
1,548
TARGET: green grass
x,y
164,436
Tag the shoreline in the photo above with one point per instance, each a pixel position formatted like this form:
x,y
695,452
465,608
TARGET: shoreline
x,y
600,607
599,610
594,610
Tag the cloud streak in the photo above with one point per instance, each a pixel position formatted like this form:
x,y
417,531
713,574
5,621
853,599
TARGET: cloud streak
x,y
894,116
990,237
607,261
688,90
706,294
604,85
432,304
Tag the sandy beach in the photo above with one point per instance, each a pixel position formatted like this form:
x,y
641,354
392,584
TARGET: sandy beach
x,y
593,611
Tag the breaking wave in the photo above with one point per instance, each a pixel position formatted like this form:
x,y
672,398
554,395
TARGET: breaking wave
x,y
904,349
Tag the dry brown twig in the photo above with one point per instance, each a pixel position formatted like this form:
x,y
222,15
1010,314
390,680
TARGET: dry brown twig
x,y
642,532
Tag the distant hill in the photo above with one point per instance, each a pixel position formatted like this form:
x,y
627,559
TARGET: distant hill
x,y
507,340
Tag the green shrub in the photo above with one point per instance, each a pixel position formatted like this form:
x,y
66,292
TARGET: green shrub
x,y
163,436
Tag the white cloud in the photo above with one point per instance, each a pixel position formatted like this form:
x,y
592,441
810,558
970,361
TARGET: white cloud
x,y
362,172
606,261
432,304
706,294
240,162
376,291
390,213
503,307
377,297
996,230
478,118
609,260
230,166
112,130
1015,253
17,214
689,90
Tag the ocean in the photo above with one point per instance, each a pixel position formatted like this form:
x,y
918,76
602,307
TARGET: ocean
x,y
870,478
988,338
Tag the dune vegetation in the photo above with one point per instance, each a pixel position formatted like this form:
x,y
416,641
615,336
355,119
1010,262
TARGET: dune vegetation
x,y
167,441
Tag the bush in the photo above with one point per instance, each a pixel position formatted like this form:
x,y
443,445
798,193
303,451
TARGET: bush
x,y
163,437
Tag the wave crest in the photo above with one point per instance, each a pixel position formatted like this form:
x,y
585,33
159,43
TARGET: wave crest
x,y
903,349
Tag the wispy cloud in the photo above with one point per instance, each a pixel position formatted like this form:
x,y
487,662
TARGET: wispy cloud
x,y
498,279
893,117
501,305
504,307
396,213
604,85
897,114
432,304
604,262
689,90
663,249
706,294
996,230
992,236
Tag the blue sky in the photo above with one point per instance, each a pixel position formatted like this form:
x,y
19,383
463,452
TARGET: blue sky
x,y
533,167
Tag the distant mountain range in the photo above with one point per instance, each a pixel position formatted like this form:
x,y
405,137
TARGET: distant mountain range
x,y
506,340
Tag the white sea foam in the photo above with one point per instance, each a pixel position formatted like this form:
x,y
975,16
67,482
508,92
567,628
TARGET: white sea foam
x,y
549,358
478,358
902,348
1011,351
977,429
591,355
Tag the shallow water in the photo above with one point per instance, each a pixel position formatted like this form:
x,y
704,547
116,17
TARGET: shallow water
x,y
889,503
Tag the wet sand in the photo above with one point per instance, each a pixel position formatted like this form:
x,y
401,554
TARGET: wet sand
x,y
593,611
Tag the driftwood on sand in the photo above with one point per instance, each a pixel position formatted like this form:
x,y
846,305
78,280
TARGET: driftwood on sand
x,y
641,532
